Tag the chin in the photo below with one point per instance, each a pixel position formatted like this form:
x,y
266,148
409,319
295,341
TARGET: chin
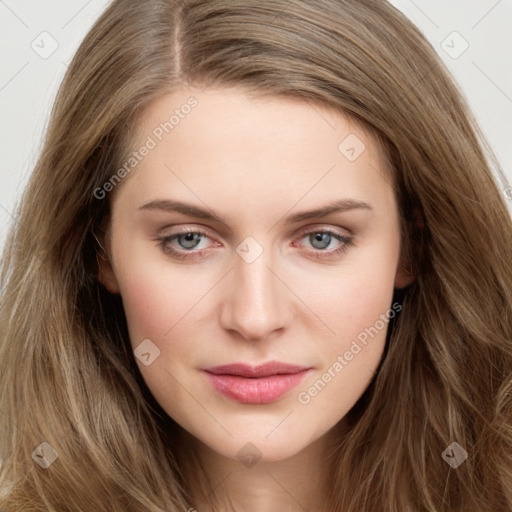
x,y
258,446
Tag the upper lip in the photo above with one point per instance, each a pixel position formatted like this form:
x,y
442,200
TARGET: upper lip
x,y
263,370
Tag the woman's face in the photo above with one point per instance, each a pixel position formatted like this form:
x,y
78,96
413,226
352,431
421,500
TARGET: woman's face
x,y
263,275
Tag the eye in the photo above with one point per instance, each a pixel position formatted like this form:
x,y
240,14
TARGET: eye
x,y
188,241
321,239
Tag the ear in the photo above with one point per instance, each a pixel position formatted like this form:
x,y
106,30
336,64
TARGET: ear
x,y
106,274
404,275
407,267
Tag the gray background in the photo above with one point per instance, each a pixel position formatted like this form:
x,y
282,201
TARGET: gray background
x,y
39,39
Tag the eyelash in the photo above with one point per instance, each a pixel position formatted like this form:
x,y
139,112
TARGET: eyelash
x,y
164,242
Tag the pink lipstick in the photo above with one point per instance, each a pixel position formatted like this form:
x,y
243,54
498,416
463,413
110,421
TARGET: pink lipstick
x,y
256,384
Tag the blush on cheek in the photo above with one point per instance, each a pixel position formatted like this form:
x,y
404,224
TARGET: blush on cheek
x,y
148,311
154,304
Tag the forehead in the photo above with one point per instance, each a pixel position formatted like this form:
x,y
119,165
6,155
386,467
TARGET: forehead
x,y
227,115
227,142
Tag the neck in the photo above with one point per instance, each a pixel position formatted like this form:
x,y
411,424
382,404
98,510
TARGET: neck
x,y
296,484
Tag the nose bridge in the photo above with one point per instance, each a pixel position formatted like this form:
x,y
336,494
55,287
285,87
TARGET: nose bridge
x,y
256,302
255,282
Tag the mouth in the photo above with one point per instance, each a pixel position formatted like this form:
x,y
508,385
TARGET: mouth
x,y
255,384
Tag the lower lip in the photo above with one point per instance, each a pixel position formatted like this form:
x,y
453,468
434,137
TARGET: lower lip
x,y
262,390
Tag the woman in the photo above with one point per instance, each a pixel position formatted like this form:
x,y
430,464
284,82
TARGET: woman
x,y
176,334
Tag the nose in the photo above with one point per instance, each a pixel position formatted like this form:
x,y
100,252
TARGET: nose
x,y
257,301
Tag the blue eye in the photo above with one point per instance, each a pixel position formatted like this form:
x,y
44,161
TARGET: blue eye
x,y
325,236
320,239
189,240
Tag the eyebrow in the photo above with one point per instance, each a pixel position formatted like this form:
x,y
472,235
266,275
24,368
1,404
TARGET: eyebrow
x,y
170,205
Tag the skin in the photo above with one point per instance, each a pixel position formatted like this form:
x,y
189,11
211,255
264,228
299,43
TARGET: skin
x,y
255,161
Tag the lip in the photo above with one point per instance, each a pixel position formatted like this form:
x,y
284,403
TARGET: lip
x,y
261,384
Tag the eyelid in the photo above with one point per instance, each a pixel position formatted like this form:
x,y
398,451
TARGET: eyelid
x,y
200,229
345,240
184,230
323,227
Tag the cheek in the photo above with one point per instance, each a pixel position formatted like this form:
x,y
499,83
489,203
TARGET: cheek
x,y
155,302
349,360
163,308
156,292
357,306
353,298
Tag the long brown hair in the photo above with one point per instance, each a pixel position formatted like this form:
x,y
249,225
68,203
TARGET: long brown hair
x,y
68,376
